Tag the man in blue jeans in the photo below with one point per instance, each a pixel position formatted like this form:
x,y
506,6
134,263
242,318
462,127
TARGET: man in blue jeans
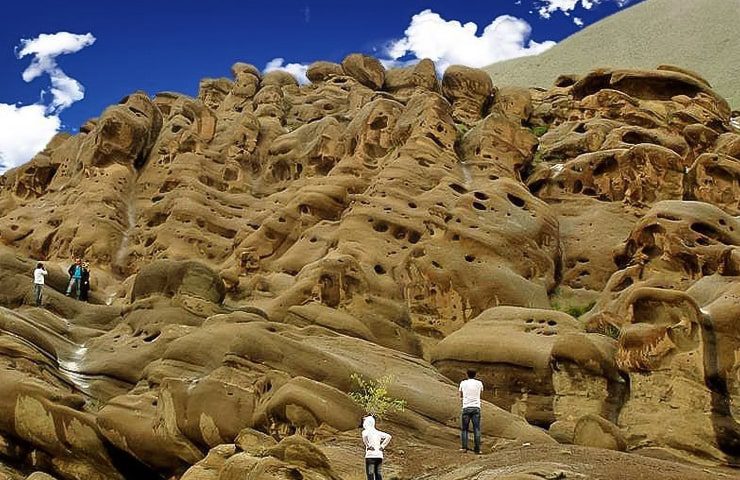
x,y
469,391
75,278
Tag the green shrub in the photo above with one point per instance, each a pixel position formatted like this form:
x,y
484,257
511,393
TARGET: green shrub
x,y
574,310
539,131
462,129
372,396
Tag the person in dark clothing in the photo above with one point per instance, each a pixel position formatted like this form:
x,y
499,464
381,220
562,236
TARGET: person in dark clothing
x,y
75,277
85,282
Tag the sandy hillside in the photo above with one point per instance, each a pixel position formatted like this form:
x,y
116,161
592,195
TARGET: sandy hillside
x,y
699,34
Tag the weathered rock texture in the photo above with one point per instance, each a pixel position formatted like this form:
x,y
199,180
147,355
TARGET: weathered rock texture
x,y
255,246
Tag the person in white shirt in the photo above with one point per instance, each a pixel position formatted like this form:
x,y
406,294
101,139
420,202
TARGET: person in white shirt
x,y
375,442
469,391
38,282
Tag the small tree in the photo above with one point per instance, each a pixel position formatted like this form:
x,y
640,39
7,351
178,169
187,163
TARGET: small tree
x,y
372,396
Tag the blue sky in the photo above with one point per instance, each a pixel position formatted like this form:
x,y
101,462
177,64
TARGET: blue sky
x,y
167,45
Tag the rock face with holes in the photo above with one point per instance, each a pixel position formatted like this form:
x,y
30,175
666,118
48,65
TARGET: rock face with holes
x,y
255,246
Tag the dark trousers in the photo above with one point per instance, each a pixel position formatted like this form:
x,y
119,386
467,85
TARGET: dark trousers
x,y
37,291
372,468
470,414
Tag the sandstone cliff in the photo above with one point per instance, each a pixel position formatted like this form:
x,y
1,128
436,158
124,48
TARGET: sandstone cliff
x,y
255,246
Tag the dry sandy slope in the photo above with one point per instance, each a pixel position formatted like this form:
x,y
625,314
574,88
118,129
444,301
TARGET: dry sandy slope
x,y
698,34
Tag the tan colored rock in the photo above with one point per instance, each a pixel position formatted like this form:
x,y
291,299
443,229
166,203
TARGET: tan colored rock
x,y
595,431
321,71
403,83
468,90
254,442
255,246
40,476
366,70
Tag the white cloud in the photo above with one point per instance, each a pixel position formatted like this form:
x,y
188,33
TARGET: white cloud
x,y
44,49
548,7
578,21
26,129
298,70
450,42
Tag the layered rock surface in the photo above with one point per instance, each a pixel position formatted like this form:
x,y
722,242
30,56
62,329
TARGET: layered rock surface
x,y
255,246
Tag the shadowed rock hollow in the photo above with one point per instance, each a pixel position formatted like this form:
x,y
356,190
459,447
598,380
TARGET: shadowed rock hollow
x,y
255,246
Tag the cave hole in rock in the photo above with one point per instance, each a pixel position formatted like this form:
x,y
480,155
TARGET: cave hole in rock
x,y
379,269
479,206
706,230
607,165
295,474
458,188
380,227
151,337
469,258
481,196
592,193
515,200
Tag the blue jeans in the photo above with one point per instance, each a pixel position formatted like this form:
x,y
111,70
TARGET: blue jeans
x,y
37,291
372,468
470,414
74,283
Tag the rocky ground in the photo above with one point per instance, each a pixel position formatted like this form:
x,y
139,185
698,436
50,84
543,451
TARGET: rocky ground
x,y
254,247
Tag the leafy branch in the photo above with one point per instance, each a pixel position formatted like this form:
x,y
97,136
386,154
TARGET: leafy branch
x,y
373,397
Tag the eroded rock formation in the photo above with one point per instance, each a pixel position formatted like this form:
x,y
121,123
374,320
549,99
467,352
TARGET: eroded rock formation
x,y
255,246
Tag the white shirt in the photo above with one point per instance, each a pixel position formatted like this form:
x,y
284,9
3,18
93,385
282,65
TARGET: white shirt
x,y
471,389
38,276
375,441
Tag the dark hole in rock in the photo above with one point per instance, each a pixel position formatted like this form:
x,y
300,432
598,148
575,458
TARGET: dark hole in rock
x,y
479,206
151,337
705,229
379,269
458,188
379,123
607,165
469,258
515,200
380,227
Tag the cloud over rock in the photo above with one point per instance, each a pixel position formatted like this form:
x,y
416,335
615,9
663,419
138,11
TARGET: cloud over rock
x,y
26,129
449,42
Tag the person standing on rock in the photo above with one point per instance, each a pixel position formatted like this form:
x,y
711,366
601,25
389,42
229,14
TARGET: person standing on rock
x,y
38,282
85,282
75,278
469,391
375,442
